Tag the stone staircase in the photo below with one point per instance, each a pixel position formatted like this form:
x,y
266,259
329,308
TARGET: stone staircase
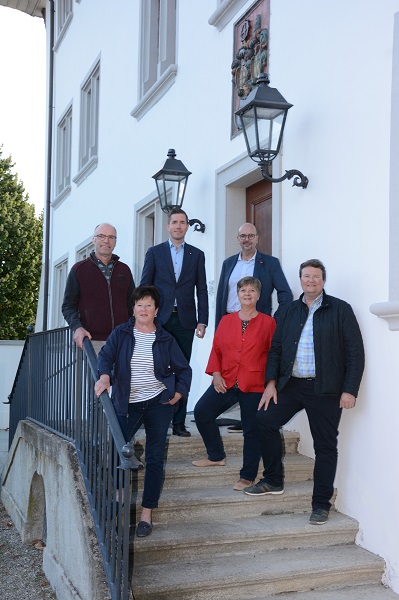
x,y
211,542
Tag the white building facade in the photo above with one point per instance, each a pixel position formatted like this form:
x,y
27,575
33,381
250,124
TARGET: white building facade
x,y
133,79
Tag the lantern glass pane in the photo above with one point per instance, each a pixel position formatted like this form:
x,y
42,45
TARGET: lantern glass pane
x,y
262,128
248,126
171,190
269,131
161,191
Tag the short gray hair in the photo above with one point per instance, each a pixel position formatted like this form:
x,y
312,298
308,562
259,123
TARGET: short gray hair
x,y
249,281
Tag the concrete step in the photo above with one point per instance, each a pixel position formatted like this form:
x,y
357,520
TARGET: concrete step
x,y
180,473
257,575
251,535
211,542
359,592
193,447
218,503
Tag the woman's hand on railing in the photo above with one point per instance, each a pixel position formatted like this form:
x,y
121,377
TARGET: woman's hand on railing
x,y
101,385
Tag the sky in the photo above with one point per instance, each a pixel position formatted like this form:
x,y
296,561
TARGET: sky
x,y
23,98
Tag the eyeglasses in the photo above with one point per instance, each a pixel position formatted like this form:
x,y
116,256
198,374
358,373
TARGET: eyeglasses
x,y
249,236
101,236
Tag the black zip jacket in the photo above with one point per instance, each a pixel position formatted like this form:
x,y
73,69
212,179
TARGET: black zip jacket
x,y
338,346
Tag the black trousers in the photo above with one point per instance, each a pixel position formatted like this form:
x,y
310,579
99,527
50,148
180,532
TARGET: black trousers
x,y
323,414
184,338
210,406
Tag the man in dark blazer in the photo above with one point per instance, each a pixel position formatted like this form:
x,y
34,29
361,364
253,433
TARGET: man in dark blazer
x,y
250,262
177,269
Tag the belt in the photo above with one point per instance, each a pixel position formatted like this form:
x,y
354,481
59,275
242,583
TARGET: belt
x,y
174,309
304,378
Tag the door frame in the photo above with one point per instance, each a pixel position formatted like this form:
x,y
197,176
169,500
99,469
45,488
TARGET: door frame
x,y
232,179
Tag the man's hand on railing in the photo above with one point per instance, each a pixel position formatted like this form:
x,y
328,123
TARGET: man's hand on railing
x,y
101,385
79,335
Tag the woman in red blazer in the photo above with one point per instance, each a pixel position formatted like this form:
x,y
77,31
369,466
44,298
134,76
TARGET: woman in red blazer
x,y
237,363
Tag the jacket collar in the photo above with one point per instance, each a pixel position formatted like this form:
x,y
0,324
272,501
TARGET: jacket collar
x,y
324,302
114,258
160,333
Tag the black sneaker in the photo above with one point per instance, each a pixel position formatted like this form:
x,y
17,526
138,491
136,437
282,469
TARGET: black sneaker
x,y
319,516
235,428
262,488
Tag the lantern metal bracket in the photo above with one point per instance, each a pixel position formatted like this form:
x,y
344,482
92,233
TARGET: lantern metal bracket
x,y
198,225
300,180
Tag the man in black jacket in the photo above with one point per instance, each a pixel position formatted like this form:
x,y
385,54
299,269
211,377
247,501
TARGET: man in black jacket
x,y
315,363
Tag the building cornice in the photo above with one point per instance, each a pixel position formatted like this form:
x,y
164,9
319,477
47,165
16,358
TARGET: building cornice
x,y
34,8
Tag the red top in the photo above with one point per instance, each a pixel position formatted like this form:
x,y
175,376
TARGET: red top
x,y
241,356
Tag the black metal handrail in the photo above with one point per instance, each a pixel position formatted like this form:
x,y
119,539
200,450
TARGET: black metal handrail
x,y
54,387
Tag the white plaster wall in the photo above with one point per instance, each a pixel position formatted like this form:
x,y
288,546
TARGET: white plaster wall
x,y
341,90
10,354
333,61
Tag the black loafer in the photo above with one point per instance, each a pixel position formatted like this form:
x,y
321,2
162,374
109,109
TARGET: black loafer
x,y
181,431
143,529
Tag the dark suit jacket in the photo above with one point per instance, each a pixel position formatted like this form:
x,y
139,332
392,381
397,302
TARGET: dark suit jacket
x,y
158,271
268,270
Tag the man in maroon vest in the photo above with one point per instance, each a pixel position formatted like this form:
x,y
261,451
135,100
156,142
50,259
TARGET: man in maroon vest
x,y
98,292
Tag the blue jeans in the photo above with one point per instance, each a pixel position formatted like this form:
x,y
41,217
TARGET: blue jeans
x,y
323,414
210,406
156,418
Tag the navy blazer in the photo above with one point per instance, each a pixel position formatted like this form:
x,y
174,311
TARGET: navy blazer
x,y
158,271
269,272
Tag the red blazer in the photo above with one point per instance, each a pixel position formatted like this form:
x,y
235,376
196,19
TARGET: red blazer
x,y
242,357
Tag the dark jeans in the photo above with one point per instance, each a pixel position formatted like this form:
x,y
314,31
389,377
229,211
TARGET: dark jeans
x,y
184,338
323,414
156,418
210,406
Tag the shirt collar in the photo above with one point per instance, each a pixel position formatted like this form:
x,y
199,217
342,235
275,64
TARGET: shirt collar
x,y
249,259
171,245
111,263
316,302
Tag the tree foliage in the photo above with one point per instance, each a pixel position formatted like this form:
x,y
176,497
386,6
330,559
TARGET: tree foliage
x,y
20,255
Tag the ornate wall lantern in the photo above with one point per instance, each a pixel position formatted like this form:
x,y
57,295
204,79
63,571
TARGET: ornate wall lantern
x,y
262,118
171,183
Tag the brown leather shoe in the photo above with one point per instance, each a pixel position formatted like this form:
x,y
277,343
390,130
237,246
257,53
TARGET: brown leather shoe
x,y
205,462
241,484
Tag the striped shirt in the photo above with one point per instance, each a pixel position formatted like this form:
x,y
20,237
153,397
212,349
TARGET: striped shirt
x,y
143,383
304,365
